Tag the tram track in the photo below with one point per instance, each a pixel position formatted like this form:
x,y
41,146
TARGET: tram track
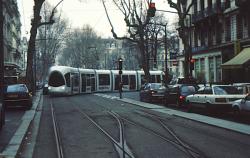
x,y
191,151
120,143
58,141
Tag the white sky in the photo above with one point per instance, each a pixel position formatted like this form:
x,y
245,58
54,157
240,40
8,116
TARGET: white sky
x,y
86,12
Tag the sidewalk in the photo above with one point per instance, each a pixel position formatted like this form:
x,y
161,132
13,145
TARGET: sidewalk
x,y
15,143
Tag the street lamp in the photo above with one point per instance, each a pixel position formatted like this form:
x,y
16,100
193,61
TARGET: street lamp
x,y
189,51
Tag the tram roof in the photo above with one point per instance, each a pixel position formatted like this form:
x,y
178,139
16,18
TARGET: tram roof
x,y
127,72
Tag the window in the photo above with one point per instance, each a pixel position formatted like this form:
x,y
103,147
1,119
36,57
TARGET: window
x,y
125,79
56,79
224,90
67,77
104,79
208,90
132,82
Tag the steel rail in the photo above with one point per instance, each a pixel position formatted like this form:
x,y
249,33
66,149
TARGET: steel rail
x,y
56,133
104,132
189,150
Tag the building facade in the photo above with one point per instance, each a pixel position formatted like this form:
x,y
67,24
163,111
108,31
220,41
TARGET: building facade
x,y
12,37
220,31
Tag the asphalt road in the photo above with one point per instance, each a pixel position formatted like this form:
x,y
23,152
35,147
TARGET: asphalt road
x,y
146,133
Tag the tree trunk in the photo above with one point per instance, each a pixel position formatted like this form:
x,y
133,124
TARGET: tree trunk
x,y
32,44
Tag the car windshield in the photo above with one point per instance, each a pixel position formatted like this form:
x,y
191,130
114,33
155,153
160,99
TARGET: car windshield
x,y
186,90
17,88
222,90
156,86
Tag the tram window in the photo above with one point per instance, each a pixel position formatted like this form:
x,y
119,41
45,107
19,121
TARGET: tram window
x,y
152,79
88,80
104,79
117,80
92,76
76,80
158,78
56,79
83,83
67,77
125,79
143,79
132,82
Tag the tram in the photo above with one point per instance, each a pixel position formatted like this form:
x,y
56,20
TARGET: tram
x,y
64,80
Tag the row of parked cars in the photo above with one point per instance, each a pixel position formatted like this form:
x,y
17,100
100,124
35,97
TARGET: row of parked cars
x,y
212,97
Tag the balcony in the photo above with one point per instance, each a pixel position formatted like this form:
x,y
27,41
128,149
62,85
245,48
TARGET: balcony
x,y
242,2
198,16
199,48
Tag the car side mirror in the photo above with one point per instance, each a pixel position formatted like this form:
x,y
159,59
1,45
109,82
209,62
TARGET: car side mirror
x,y
243,100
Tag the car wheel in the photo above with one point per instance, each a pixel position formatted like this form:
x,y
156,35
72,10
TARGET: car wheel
x,y
208,108
189,107
178,103
236,110
2,119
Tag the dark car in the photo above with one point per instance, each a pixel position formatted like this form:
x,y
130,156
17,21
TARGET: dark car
x,y
45,89
152,92
2,115
176,94
17,95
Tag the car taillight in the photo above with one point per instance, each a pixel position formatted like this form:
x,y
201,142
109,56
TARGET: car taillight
x,y
181,97
152,92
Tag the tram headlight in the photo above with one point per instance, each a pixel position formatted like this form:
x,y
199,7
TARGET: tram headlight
x,y
49,88
63,88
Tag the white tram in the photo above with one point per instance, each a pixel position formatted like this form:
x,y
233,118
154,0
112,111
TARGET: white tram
x,y
63,80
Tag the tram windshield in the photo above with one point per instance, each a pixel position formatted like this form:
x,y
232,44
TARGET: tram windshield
x,y
56,79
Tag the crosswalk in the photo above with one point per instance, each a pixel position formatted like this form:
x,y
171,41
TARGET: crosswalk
x,y
106,96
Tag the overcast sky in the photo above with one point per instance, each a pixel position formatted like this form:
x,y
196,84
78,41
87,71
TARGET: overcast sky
x,y
86,12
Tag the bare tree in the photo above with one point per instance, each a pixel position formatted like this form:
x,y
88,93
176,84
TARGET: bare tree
x,y
183,8
134,12
36,22
50,41
82,48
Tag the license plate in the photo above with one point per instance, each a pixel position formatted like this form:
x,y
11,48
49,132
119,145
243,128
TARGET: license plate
x,y
13,96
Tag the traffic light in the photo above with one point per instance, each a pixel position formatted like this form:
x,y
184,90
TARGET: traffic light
x,y
192,61
120,65
151,10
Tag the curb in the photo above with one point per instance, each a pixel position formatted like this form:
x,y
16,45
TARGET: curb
x,y
15,143
232,126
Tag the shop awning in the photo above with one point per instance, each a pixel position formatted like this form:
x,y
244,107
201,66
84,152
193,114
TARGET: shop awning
x,y
238,61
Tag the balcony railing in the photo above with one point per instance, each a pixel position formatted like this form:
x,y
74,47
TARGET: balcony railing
x,y
242,2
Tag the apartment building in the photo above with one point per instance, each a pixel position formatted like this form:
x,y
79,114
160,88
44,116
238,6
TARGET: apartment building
x,y
12,36
220,39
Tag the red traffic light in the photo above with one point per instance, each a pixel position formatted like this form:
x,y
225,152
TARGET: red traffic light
x,y
151,5
151,10
192,60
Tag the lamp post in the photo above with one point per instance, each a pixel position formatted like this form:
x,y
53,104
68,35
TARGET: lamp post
x,y
189,51
1,52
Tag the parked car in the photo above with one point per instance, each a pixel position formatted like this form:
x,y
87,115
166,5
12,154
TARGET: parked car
x,y
2,115
176,94
241,105
214,97
244,88
45,89
152,92
182,80
17,95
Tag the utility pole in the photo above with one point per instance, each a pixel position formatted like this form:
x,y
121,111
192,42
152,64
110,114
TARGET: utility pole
x,y
1,52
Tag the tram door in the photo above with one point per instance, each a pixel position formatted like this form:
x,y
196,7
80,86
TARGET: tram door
x,y
74,83
88,83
